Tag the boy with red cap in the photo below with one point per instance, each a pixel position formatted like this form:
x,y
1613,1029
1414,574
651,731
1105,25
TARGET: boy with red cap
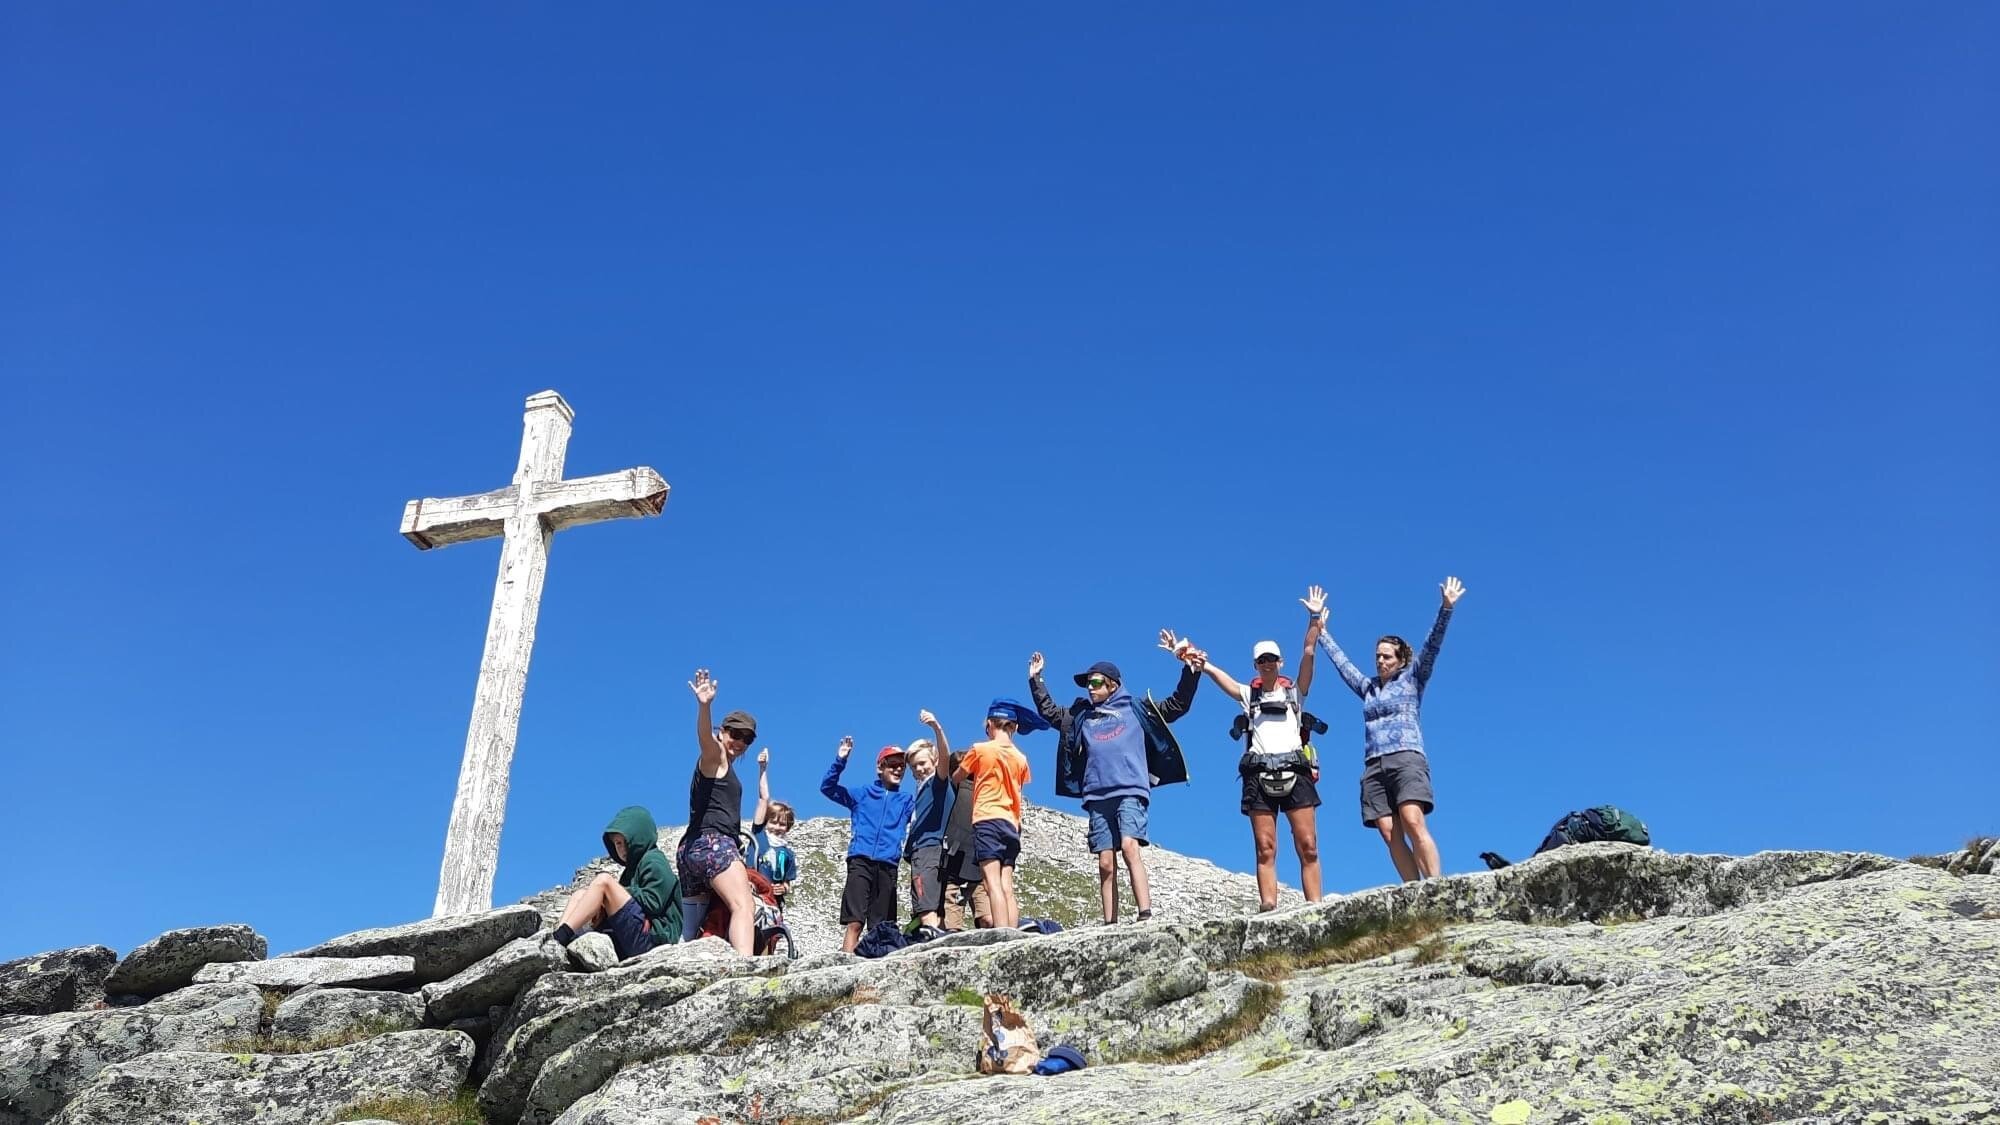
x,y
879,813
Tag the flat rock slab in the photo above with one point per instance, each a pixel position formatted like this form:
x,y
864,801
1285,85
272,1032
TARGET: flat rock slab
x,y
171,960
62,980
440,947
319,1013
308,1089
492,982
299,972
46,1061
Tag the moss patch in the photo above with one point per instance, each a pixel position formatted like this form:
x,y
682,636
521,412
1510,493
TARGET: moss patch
x,y
863,1105
965,996
787,1015
1258,1004
278,1045
1362,941
461,1110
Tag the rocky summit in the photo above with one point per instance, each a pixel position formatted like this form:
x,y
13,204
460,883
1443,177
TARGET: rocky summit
x,y
1599,983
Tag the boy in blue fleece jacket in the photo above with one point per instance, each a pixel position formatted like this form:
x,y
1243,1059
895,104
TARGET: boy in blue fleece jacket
x,y
879,815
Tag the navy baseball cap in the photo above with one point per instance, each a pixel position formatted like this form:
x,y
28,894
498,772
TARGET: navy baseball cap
x,y
1102,668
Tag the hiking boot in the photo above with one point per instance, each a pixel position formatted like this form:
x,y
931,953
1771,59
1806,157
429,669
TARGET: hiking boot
x,y
1145,915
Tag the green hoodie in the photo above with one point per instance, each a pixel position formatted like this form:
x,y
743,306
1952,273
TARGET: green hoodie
x,y
647,875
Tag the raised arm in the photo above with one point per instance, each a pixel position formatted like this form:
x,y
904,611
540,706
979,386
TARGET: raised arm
x,y
937,736
1177,704
763,789
704,686
1052,712
1452,590
1315,603
1201,659
830,786
1357,682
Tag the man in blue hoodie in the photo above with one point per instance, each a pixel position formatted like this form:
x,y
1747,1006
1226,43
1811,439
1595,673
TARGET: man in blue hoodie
x,y
1113,751
880,814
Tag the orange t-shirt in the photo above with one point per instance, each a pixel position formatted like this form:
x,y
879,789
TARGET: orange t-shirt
x,y
998,773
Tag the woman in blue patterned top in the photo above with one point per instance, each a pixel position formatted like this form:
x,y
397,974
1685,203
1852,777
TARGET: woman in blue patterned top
x,y
1395,773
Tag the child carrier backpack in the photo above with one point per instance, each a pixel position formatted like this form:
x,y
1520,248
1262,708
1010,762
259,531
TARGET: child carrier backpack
x,y
1276,773
768,933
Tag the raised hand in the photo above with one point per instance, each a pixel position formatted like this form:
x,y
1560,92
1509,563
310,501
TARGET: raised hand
x,y
1035,665
926,718
846,745
1453,590
1314,601
1173,644
764,758
1197,659
703,685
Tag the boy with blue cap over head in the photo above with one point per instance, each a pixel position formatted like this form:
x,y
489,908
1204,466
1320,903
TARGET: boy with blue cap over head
x,y
999,771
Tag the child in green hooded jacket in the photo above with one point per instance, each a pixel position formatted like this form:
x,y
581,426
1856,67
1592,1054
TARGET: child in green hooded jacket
x,y
639,908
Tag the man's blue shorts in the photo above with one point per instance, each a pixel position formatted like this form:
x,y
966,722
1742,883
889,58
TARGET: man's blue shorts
x,y
628,931
1114,820
996,839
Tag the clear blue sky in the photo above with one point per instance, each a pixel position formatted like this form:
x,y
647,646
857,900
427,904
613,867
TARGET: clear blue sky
x,y
961,334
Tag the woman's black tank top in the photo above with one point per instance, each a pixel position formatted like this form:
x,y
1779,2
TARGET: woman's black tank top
x,y
715,804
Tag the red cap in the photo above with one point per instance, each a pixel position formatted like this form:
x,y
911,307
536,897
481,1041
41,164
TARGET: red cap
x,y
888,752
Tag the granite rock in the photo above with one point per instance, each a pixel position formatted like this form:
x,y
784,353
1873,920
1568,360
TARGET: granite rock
x,y
303,1089
45,1061
439,947
171,960
61,980
300,972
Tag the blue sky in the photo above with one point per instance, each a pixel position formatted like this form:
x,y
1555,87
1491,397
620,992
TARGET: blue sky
x,y
965,333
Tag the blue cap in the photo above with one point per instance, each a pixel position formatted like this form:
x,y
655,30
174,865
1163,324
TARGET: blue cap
x,y
1102,668
1021,715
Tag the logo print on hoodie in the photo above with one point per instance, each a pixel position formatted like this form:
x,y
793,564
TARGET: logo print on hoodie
x,y
1104,726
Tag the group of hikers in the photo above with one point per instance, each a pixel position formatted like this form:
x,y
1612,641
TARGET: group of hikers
x,y
954,816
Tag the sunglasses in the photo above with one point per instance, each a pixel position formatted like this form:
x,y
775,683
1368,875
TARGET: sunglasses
x,y
739,734
1267,660
1096,681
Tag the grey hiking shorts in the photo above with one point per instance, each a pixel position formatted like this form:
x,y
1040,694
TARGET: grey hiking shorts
x,y
1394,779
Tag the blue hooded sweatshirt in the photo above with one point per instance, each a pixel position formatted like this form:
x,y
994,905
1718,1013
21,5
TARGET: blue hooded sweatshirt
x,y
1115,744
879,815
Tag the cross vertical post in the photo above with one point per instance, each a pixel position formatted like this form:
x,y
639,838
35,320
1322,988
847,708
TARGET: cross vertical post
x,y
526,515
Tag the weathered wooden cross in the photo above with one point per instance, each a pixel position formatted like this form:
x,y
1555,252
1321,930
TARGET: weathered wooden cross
x,y
527,514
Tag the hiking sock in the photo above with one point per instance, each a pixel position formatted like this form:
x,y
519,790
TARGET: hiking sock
x,y
565,935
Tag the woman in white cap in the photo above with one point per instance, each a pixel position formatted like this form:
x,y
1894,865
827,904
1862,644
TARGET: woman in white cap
x,y
1277,770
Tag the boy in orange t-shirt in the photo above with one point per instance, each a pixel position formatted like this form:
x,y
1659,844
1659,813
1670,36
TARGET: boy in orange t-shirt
x,y
998,771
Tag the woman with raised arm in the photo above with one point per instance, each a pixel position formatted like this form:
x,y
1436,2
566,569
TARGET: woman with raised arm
x,y
1277,772
710,864
1395,771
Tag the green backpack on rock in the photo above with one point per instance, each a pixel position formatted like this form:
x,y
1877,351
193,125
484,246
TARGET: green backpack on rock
x,y
1604,822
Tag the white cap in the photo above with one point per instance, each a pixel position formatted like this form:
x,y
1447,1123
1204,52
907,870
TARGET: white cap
x,y
1265,648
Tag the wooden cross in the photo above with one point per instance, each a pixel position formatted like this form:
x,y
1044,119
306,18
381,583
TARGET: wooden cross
x,y
527,514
